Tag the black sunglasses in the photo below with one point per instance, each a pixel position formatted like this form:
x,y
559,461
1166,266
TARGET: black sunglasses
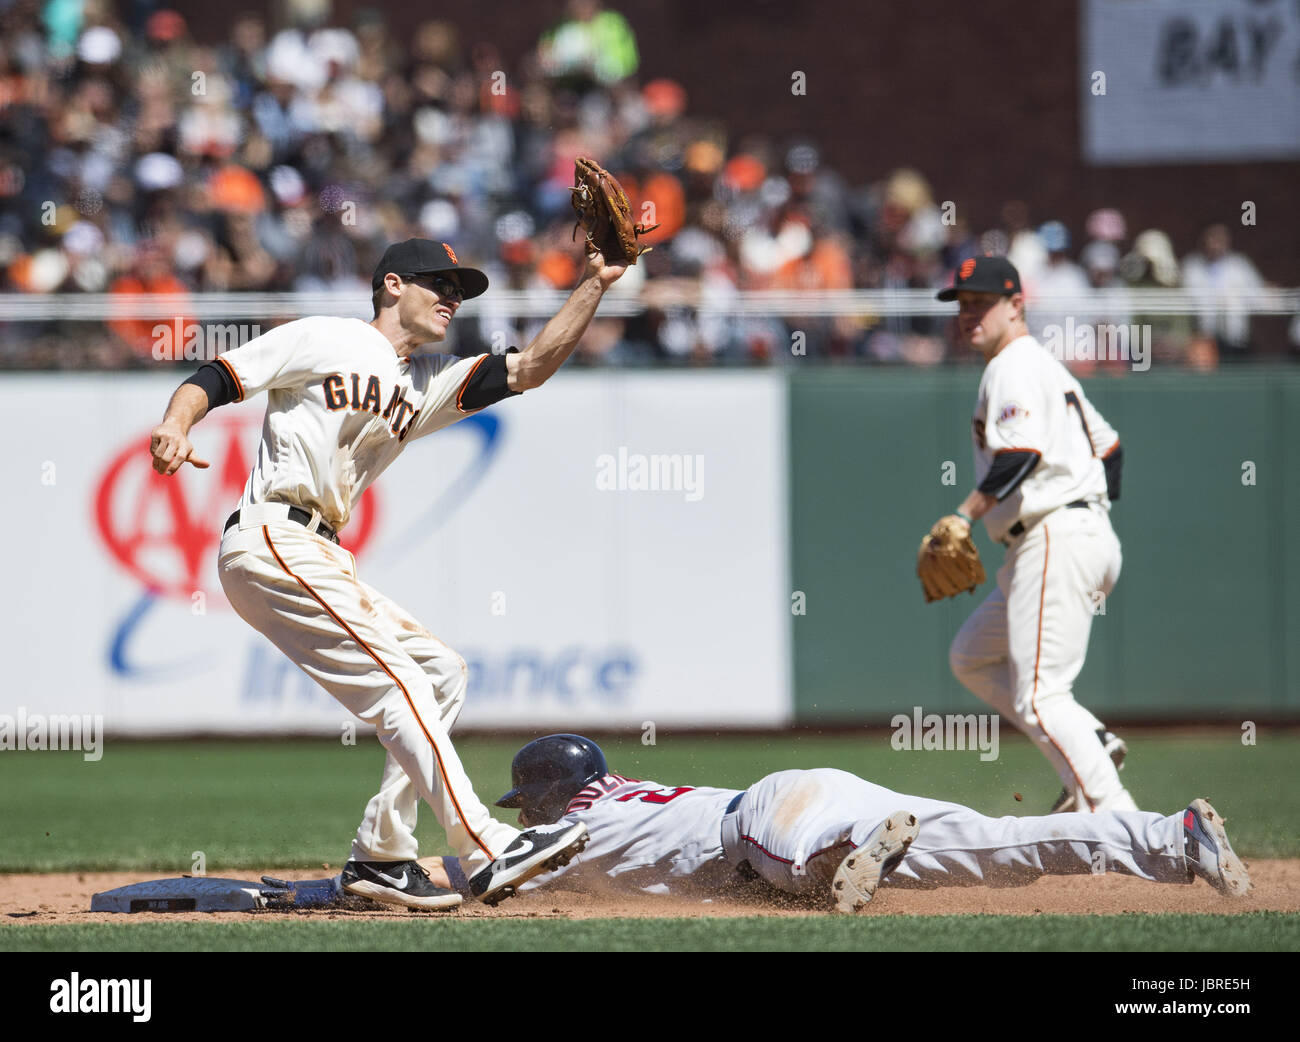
x,y
440,284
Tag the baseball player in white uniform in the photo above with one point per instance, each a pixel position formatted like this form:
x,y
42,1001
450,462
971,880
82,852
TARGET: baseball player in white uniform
x,y
1047,467
344,398
831,833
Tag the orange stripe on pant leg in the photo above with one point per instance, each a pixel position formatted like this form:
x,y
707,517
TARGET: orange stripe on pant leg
x,y
1038,652
442,770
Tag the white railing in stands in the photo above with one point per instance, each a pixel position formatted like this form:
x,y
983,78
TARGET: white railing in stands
x,y
98,307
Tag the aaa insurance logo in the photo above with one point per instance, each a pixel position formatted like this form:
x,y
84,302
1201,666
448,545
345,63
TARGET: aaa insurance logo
x,y
165,531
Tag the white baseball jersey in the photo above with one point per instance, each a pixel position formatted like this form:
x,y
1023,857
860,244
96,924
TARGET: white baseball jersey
x,y
1024,646
793,829
1028,401
661,839
341,406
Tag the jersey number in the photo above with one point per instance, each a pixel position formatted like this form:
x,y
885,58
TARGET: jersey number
x,y
1073,399
655,795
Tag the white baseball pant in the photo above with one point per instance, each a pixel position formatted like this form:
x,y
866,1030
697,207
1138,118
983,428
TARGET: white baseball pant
x,y
1024,646
795,827
301,591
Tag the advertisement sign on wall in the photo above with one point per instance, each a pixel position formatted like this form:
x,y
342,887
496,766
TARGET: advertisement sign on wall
x,y
1166,81
605,552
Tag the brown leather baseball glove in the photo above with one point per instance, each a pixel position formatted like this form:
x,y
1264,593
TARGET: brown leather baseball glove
x,y
948,562
605,215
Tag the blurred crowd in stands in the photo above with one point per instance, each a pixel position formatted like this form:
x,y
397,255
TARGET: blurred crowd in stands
x,y
137,159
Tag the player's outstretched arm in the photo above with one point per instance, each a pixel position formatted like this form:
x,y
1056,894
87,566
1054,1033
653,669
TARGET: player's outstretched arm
x,y
540,360
169,444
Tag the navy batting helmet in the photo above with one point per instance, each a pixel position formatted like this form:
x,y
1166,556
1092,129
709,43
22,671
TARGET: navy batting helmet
x,y
549,772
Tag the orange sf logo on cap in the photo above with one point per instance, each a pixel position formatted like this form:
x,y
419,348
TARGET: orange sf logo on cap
x,y
967,268
450,253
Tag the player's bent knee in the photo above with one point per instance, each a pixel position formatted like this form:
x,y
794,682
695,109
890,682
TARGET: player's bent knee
x,y
411,697
956,660
451,694
410,720
1024,709
960,660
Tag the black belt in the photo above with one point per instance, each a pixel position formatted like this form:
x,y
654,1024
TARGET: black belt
x,y
303,517
735,802
1018,529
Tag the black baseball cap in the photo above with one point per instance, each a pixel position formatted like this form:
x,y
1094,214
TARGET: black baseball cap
x,y
426,257
986,274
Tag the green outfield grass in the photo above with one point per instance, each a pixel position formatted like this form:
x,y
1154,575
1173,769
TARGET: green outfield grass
x,y
296,804
1256,931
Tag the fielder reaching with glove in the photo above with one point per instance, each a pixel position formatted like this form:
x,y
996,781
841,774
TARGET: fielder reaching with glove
x,y
345,397
605,213
1047,467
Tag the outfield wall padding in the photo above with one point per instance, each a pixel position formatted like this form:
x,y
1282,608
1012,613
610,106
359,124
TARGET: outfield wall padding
x,y
1203,620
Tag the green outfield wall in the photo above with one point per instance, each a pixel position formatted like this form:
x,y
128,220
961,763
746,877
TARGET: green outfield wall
x,y
1204,620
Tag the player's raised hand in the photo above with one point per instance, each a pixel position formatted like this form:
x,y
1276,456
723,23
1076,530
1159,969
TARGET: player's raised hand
x,y
599,268
171,450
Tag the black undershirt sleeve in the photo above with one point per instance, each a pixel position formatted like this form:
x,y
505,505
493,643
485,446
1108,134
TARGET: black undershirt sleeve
x,y
486,384
215,380
1114,464
1008,471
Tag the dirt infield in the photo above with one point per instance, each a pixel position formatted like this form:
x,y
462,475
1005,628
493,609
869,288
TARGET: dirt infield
x,y
65,898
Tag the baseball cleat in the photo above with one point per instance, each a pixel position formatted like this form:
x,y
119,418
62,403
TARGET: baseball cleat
x,y
1115,749
1065,803
541,849
861,872
1209,854
402,883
